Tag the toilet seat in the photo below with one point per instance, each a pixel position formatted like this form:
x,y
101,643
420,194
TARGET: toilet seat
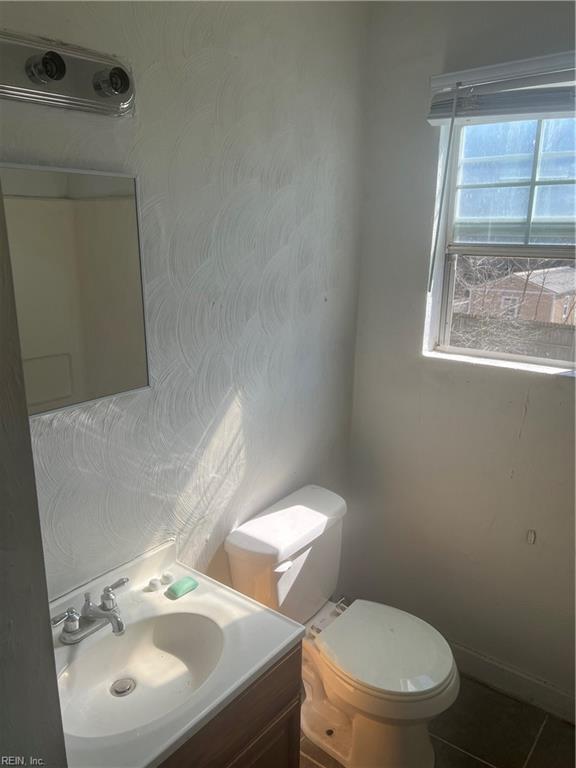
x,y
408,706
387,653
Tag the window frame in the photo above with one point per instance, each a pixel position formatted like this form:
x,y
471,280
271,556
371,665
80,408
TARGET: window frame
x,y
441,297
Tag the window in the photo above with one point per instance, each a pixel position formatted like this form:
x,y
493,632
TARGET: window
x,y
513,184
503,278
510,306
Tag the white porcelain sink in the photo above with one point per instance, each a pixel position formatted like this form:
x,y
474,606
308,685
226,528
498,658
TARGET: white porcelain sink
x,y
162,660
177,664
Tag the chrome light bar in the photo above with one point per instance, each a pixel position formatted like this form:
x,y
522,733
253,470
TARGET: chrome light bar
x,y
56,74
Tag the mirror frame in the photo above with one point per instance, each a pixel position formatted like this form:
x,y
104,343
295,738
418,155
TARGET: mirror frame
x,y
117,174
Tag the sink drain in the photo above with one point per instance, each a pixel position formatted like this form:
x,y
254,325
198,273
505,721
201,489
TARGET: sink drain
x,y
123,686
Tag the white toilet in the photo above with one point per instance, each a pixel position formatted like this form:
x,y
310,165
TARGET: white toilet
x,y
374,675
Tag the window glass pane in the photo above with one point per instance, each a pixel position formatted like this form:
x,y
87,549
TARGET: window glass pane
x,y
553,215
488,170
502,232
555,201
497,152
491,214
515,306
559,135
557,165
552,233
492,139
558,149
492,203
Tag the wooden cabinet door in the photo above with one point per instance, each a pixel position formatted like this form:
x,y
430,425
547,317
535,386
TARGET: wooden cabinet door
x,y
278,746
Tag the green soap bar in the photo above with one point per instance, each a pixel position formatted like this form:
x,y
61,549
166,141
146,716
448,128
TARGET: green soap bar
x,y
181,587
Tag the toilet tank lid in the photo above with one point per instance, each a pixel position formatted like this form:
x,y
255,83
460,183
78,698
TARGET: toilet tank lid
x,y
287,526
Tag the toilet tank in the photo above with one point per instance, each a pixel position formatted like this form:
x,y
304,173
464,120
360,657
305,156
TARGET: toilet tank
x,y
288,556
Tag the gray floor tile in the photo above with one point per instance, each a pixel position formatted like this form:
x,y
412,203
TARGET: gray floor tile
x,y
555,747
450,757
446,757
309,749
489,725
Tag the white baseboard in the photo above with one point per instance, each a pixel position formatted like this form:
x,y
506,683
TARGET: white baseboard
x,y
514,682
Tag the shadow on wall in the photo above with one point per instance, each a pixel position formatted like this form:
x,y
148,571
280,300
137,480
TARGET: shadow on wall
x,y
136,473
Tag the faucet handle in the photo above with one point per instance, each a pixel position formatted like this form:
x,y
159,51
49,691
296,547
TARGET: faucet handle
x,y
117,584
108,598
70,617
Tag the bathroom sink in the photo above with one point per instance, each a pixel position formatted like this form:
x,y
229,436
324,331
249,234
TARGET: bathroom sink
x,y
123,683
129,700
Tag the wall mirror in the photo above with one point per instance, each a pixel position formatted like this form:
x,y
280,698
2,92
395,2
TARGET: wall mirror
x,y
74,248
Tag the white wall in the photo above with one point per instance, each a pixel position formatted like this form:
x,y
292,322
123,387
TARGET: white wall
x,y
246,141
454,463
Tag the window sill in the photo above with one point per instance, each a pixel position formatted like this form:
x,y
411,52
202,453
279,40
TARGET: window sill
x,y
516,365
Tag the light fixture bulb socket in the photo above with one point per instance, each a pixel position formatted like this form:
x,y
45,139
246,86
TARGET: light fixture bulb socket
x,y
46,67
112,82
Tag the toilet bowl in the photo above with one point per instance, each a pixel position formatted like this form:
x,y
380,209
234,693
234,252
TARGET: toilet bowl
x,y
388,673
374,675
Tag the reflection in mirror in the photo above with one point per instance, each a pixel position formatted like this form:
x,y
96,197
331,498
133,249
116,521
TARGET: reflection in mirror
x,y
75,257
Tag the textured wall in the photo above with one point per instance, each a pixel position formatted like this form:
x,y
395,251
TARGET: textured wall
x,y
454,462
246,143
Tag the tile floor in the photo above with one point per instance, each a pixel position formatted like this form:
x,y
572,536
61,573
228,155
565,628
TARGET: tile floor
x,y
486,728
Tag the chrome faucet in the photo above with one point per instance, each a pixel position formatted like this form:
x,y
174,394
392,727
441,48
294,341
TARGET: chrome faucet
x,y
92,612
93,617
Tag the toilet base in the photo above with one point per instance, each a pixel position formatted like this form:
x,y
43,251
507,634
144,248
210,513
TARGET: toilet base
x,y
364,742
328,728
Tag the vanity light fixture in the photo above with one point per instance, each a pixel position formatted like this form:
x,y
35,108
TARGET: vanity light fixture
x,y
56,74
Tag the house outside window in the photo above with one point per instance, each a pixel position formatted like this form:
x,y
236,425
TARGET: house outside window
x,y
504,284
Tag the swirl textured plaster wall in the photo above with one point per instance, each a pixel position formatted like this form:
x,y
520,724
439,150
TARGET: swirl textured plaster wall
x,y
246,143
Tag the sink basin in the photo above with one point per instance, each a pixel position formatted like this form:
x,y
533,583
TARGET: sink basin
x,y
157,665
128,701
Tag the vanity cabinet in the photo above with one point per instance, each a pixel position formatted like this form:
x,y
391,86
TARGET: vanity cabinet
x,y
260,728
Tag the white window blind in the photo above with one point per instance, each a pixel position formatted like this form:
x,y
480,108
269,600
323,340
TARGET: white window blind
x,y
531,87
